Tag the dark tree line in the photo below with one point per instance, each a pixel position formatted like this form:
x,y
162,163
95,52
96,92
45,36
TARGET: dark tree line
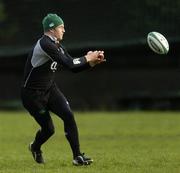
x,y
88,21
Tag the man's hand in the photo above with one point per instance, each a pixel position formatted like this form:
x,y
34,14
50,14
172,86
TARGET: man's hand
x,y
95,57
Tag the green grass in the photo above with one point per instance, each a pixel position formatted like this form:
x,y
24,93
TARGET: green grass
x,y
119,142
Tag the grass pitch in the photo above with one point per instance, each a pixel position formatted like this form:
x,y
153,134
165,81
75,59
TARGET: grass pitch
x,y
119,142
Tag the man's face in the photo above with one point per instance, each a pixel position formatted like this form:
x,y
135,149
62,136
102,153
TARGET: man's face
x,y
59,32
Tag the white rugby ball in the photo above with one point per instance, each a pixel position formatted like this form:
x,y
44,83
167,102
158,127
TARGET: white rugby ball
x,y
158,43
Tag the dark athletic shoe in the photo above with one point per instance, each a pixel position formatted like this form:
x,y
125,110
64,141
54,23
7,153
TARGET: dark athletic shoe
x,y
82,160
37,155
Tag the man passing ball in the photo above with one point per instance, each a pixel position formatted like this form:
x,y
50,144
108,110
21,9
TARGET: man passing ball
x,y
40,94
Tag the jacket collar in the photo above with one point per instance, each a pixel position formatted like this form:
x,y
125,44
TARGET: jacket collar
x,y
54,39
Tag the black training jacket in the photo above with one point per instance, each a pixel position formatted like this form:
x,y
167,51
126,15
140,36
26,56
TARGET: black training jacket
x,y
43,61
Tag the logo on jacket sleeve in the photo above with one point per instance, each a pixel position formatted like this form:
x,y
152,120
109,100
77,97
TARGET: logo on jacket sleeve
x,y
76,61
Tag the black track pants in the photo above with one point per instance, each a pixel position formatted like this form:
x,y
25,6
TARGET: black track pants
x,y
39,103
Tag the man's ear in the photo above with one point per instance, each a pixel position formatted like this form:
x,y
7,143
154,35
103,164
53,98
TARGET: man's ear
x,y
51,30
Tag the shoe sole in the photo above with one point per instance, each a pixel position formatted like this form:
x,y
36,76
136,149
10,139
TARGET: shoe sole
x,y
86,163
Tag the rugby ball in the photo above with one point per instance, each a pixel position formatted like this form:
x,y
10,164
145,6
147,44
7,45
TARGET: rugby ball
x,y
157,42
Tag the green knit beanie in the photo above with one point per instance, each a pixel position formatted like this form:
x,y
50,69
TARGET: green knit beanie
x,y
51,21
